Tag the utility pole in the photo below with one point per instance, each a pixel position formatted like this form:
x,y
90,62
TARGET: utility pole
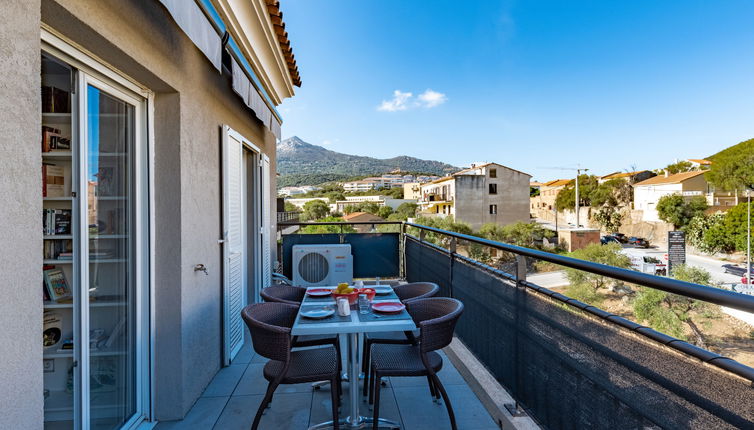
x,y
578,172
748,238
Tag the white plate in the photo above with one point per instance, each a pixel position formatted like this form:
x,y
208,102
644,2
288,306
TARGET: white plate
x,y
318,313
382,289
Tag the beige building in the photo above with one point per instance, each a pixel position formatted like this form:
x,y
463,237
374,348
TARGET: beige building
x,y
412,191
631,177
688,184
122,314
484,193
543,205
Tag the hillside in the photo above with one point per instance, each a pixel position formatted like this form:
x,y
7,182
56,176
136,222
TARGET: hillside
x,y
299,161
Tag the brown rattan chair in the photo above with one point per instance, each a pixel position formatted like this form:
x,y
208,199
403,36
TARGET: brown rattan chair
x,y
436,318
270,327
294,296
406,293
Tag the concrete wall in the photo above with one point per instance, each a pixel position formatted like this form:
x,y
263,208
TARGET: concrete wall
x,y
192,101
473,200
21,384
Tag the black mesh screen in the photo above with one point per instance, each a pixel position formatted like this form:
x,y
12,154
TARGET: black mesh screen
x,y
571,370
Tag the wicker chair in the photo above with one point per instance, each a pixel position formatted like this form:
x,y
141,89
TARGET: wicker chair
x,y
436,318
294,296
270,327
406,293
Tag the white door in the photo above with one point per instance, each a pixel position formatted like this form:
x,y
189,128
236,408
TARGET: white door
x,y
234,279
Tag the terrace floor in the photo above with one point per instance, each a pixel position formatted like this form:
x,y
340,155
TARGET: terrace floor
x,y
232,398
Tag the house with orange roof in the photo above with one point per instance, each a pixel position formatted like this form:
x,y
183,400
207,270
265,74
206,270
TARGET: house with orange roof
x,y
631,177
543,205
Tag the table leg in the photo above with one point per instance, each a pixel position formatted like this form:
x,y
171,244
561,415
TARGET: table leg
x,y
354,420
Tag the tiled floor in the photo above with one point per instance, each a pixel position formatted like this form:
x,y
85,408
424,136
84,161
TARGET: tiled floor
x,y
232,398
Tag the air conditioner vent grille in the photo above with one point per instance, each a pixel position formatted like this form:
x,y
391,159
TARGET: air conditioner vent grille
x,y
313,267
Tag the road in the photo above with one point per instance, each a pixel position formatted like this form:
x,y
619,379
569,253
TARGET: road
x,y
713,266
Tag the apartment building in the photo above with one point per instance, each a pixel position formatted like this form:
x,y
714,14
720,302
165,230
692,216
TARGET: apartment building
x,y
412,190
483,193
387,181
294,191
688,184
631,177
542,206
155,124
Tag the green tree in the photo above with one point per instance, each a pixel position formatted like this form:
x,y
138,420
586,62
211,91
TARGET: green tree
x,y
566,199
323,229
667,312
315,209
729,235
676,210
609,218
528,234
679,167
732,168
290,207
385,212
407,210
586,286
698,236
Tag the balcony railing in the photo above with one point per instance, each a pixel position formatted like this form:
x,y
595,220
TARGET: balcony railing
x,y
568,364
288,216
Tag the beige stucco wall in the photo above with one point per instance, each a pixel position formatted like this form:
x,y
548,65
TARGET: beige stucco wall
x,y
472,197
21,400
192,101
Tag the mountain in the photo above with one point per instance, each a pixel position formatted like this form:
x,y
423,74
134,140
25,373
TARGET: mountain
x,y
298,160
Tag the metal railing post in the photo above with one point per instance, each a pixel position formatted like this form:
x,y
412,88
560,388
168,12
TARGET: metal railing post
x,y
520,294
452,248
402,250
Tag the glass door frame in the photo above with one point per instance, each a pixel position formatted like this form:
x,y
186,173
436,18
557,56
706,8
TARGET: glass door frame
x,y
89,70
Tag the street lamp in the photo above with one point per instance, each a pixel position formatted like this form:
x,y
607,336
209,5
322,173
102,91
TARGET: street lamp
x,y
578,172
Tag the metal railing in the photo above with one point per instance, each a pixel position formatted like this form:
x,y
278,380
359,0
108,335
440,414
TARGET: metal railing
x,y
288,216
537,341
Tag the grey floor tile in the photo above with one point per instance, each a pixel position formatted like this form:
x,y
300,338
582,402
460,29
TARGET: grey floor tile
x,y
419,412
288,411
202,415
448,376
245,355
259,359
225,381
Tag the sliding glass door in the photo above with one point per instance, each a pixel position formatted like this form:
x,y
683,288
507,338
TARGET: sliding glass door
x,y
112,257
96,231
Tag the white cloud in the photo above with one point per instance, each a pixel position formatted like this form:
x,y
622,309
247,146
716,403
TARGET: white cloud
x,y
430,99
399,102
406,100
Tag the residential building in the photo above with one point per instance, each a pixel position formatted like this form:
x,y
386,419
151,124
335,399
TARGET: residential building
x,y
542,206
299,203
365,184
387,181
341,205
484,193
700,163
294,191
648,192
363,217
631,177
156,123
412,191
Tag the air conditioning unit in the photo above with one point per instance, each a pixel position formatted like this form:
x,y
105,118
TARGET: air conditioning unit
x,y
322,265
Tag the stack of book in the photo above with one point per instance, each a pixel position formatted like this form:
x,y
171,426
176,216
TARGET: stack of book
x,y
56,221
53,140
58,249
53,180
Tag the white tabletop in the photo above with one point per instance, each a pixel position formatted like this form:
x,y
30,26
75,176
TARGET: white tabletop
x,y
353,326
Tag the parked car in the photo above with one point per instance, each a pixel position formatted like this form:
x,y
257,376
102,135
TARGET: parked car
x,y
737,270
609,239
621,237
638,242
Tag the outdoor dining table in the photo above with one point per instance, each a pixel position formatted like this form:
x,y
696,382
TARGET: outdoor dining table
x,y
353,326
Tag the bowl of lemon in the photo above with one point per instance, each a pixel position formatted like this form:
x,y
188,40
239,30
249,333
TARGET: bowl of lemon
x,y
346,291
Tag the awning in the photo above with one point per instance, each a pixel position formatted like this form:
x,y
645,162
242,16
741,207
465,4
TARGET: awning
x,y
194,23
248,93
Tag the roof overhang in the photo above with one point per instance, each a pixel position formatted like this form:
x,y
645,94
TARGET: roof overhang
x,y
250,24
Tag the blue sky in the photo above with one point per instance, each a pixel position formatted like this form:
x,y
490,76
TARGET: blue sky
x,y
528,84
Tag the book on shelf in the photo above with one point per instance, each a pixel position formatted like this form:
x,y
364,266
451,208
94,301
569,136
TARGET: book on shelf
x,y
53,179
52,329
55,100
56,221
58,250
53,140
57,286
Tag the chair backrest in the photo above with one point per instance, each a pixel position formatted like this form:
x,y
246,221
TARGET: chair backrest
x,y
270,327
416,290
437,318
283,294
